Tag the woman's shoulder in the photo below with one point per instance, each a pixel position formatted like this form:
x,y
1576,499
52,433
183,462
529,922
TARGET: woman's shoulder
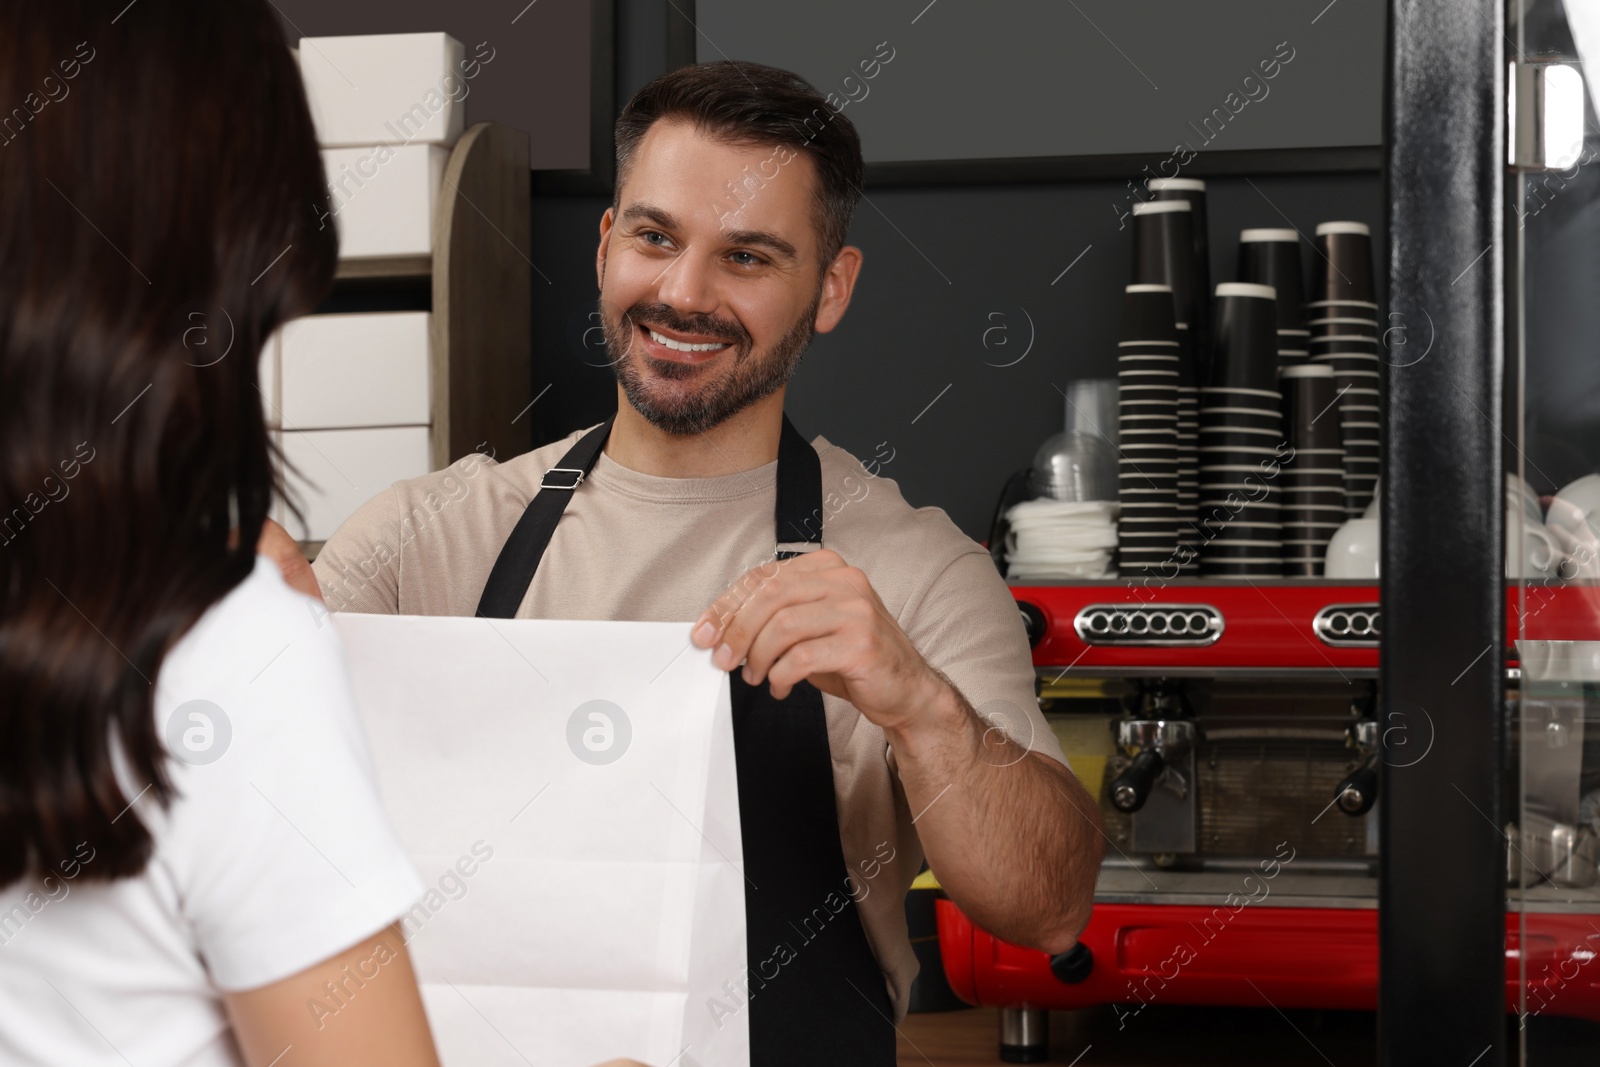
x,y
263,658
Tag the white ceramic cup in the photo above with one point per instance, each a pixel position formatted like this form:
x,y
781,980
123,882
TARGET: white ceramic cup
x,y
1576,503
1542,553
1353,551
1520,496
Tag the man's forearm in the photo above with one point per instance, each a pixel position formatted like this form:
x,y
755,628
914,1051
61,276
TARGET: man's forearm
x,y
1013,837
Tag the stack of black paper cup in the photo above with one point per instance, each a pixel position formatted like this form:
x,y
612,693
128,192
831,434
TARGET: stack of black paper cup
x,y
1313,472
1165,253
1193,192
1345,337
1188,457
1241,431
1272,257
1147,408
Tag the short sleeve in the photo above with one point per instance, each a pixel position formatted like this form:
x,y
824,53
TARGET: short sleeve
x,y
358,568
279,849
966,624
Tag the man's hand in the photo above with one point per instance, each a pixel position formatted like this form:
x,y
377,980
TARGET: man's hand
x,y
815,618
280,548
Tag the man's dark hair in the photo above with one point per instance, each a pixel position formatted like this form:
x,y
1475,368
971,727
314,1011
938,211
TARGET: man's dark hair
x,y
752,104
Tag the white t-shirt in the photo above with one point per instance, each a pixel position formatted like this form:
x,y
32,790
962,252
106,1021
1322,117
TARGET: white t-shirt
x,y
275,856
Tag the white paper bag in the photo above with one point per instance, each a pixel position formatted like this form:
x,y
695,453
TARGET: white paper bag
x,y
567,791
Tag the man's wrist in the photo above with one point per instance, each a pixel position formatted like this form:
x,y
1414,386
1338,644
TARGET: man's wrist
x,y
938,716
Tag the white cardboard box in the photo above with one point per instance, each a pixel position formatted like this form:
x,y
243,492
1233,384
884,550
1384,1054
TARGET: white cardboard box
x,y
382,198
334,472
267,379
390,88
346,371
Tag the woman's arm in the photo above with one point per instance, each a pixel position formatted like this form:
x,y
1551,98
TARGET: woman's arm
x,y
358,1007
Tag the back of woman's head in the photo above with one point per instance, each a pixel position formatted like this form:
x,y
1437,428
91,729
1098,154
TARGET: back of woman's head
x,y
160,198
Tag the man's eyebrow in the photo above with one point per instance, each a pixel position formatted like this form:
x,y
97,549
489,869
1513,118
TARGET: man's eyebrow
x,y
763,239
648,213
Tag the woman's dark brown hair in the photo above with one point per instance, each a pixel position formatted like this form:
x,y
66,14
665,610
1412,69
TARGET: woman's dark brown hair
x,y
160,192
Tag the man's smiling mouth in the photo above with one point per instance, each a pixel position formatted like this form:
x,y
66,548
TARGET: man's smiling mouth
x,y
683,346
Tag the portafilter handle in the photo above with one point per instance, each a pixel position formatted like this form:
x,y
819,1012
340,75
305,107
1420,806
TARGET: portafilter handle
x,y
1356,794
1131,788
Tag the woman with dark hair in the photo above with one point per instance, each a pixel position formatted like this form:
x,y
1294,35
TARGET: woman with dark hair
x,y
194,864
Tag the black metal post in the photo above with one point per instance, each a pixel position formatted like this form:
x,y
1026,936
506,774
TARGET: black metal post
x,y
1442,895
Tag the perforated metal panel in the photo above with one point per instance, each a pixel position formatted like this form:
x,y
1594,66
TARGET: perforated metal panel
x,y
1155,625
1349,625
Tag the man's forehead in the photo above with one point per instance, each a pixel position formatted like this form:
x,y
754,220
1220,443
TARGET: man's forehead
x,y
762,185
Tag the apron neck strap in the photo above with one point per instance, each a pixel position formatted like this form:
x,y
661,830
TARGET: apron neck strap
x,y
797,514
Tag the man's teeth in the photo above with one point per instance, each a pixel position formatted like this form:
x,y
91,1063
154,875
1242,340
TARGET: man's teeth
x,y
679,346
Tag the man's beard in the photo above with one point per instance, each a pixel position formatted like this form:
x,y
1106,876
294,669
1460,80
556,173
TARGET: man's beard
x,y
750,378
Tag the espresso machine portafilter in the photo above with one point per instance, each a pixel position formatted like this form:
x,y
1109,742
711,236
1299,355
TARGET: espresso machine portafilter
x,y
1156,787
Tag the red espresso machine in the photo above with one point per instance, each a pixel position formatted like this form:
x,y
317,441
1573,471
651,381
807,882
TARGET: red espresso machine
x,y
1232,734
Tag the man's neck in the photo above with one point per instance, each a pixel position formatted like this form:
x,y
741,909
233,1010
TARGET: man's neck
x,y
743,442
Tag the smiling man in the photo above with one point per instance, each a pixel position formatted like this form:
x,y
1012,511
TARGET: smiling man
x,y
863,636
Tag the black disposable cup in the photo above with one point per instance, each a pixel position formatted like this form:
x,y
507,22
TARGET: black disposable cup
x,y
1148,357
1193,192
1329,346
1264,571
1128,378
1163,254
1213,423
1244,337
1272,257
1192,361
1343,269
1348,323
1347,365
1148,313
1305,508
1147,404
1217,513
1305,547
1213,436
1235,556
1148,488
1142,425
1247,536
1309,524
1324,343
1309,401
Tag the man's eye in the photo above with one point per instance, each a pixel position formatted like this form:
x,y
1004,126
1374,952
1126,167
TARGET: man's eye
x,y
747,259
659,240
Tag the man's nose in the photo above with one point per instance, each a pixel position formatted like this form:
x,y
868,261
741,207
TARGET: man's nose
x,y
688,285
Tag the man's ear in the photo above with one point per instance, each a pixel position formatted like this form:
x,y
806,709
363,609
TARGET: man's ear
x,y
837,285
605,242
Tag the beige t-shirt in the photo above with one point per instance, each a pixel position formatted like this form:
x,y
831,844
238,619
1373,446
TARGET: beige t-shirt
x,y
637,547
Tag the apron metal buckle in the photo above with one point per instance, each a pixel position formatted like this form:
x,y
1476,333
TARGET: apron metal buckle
x,y
576,478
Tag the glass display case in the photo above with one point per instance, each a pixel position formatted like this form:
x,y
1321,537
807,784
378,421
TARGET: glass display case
x,y
1552,255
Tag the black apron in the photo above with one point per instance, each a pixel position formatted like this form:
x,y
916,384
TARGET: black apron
x,y
816,994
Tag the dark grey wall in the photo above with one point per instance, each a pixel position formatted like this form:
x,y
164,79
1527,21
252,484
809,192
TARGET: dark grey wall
x,y
943,266
1013,78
